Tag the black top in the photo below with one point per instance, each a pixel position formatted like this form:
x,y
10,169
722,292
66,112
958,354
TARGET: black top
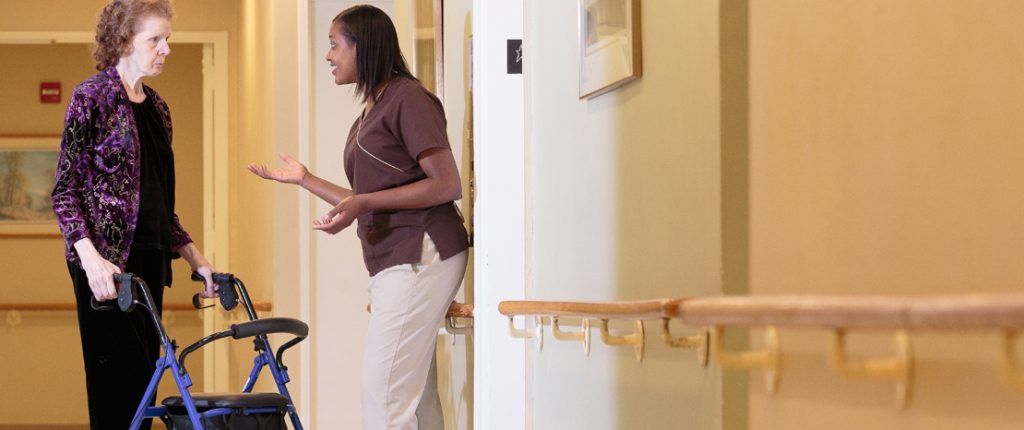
x,y
156,193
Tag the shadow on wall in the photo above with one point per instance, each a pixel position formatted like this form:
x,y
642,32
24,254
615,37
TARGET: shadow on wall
x,y
682,197
734,69
628,200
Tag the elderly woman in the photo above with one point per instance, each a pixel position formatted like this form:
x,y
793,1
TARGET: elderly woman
x,y
404,183
114,200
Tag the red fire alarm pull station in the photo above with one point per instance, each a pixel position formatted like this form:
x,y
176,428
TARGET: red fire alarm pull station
x,y
49,92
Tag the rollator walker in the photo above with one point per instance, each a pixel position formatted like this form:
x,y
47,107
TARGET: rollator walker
x,y
244,410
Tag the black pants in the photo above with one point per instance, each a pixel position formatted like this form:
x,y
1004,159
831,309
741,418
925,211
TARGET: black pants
x,y
120,349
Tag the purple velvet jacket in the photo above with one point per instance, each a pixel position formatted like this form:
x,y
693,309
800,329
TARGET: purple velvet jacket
x,y
98,174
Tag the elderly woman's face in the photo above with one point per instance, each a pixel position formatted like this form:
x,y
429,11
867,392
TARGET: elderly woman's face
x,y
149,46
342,57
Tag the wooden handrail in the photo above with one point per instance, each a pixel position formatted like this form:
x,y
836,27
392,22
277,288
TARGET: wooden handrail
x,y
838,314
967,311
642,309
637,311
52,307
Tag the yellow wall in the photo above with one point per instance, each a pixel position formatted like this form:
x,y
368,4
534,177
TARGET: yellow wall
x,y
37,261
34,268
264,214
252,237
623,195
28,65
249,246
885,155
882,156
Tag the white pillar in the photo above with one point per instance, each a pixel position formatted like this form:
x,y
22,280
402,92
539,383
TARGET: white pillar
x,y
500,378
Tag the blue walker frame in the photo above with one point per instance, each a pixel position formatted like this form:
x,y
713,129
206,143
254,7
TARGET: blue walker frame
x,y
227,283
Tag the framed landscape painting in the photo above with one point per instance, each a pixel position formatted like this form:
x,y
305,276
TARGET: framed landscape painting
x,y
27,169
610,50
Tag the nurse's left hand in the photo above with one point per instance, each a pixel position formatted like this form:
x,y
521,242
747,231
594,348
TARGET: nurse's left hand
x,y
341,216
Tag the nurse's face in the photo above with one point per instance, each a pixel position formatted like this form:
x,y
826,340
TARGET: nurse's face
x,y
342,57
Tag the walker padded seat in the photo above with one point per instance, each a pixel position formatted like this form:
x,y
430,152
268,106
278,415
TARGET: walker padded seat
x,y
207,401
241,417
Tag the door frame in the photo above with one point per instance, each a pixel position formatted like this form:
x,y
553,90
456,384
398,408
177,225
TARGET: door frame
x,y
502,265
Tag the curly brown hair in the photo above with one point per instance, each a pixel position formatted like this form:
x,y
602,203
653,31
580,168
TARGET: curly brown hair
x,y
117,26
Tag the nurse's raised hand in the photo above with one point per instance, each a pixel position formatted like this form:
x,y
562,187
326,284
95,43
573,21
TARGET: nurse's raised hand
x,y
293,171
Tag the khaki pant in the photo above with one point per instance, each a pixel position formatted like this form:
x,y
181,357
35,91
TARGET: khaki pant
x,y
408,303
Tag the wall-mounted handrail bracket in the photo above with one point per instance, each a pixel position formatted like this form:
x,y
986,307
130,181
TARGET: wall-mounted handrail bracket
x,y
636,338
582,335
769,358
697,341
538,327
168,317
1012,372
536,333
898,367
13,318
517,332
451,325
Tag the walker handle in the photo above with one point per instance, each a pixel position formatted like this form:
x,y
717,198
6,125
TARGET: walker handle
x,y
96,305
267,326
224,286
126,297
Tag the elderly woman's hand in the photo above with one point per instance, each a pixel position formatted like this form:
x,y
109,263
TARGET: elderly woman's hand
x,y
293,172
99,271
199,264
210,288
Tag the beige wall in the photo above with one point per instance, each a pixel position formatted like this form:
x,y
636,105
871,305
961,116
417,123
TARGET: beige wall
x,y
882,157
34,269
624,197
885,154
270,33
281,33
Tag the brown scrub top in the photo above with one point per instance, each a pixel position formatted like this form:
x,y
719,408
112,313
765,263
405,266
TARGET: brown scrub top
x,y
405,121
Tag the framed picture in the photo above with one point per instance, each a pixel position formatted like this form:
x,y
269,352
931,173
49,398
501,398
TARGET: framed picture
x,y
610,54
27,169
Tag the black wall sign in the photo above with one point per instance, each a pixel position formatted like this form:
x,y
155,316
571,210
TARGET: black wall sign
x,y
515,56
